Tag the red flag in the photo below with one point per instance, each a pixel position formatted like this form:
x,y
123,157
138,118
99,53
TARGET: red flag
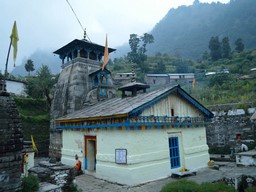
x,y
105,61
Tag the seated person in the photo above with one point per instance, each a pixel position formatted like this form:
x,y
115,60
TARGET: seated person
x,y
78,164
77,169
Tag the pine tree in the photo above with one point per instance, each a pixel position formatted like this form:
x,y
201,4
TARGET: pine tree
x,y
225,48
215,48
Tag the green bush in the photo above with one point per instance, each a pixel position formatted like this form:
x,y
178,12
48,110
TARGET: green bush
x,y
182,186
190,186
30,183
250,189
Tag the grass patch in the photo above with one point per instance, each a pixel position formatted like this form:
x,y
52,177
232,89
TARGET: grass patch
x,y
30,183
191,186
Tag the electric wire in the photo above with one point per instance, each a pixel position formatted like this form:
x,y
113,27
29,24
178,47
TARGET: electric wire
x,y
78,20
75,15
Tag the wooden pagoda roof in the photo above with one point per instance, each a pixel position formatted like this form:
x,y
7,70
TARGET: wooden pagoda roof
x,y
129,106
81,44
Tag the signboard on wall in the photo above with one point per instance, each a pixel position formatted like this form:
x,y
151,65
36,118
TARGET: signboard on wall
x,y
121,156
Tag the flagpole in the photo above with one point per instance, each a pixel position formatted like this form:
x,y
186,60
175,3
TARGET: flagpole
x,y
6,65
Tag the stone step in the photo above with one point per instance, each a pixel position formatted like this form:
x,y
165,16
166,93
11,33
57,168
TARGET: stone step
x,y
49,187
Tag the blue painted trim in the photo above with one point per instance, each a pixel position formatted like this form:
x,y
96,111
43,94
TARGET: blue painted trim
x,y
174,152
160,122
85,163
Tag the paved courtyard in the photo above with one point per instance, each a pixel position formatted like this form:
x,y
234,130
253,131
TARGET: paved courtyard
x,y
88,183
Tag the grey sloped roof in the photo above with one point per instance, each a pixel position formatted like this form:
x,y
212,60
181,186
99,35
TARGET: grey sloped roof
x,y
129,105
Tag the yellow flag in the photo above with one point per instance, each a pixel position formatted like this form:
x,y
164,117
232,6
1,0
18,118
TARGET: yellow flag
x,y
105,54
14,39
34,144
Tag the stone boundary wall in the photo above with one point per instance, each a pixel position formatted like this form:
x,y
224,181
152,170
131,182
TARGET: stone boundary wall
x,y
229,121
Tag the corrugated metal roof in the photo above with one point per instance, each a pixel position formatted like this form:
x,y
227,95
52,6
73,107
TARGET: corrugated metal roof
x,y
124,106
114,107
157,75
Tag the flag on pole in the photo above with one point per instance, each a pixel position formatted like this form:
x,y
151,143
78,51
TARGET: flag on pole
x,y
105,61
34,144
14,40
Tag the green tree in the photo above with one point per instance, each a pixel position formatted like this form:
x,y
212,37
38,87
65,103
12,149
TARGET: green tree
x,y
41,85
138,51
215,48
205,55
29,66
160,67
219,79
225,48
239,45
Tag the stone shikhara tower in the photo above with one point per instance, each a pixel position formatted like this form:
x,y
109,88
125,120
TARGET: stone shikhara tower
x,y
11,143
82,82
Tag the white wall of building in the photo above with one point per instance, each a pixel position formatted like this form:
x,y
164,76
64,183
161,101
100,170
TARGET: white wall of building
x,y
196,154
73,143
148,155
15,87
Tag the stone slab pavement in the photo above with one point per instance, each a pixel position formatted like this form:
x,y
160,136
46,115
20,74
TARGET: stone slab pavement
x,y
88,183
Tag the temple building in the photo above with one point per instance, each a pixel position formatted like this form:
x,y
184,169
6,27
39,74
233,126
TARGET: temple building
x,y
81,83
138,137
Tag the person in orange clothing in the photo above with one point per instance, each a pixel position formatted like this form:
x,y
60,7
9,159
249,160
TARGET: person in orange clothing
x,y
78,164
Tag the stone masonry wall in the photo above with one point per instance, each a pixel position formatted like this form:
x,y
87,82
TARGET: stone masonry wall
x,y
11,145
227,124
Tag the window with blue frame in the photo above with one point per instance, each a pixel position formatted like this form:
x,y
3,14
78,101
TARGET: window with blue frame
x,y
174,152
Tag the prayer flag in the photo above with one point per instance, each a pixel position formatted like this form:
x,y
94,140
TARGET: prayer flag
x,y
105,54
14,40
34,144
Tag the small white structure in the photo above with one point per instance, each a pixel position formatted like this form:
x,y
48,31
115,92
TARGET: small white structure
x,y
133,140
246,158
16,87
28,161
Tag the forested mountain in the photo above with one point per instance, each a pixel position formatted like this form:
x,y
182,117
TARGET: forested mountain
x,y
186,31
39,58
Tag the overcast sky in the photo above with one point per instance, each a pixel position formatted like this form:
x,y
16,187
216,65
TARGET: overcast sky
x,y
50,24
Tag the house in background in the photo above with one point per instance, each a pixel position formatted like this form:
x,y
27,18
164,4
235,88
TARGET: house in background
x,y
123,78
157,79
181,77
136,139
170,78
16,87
